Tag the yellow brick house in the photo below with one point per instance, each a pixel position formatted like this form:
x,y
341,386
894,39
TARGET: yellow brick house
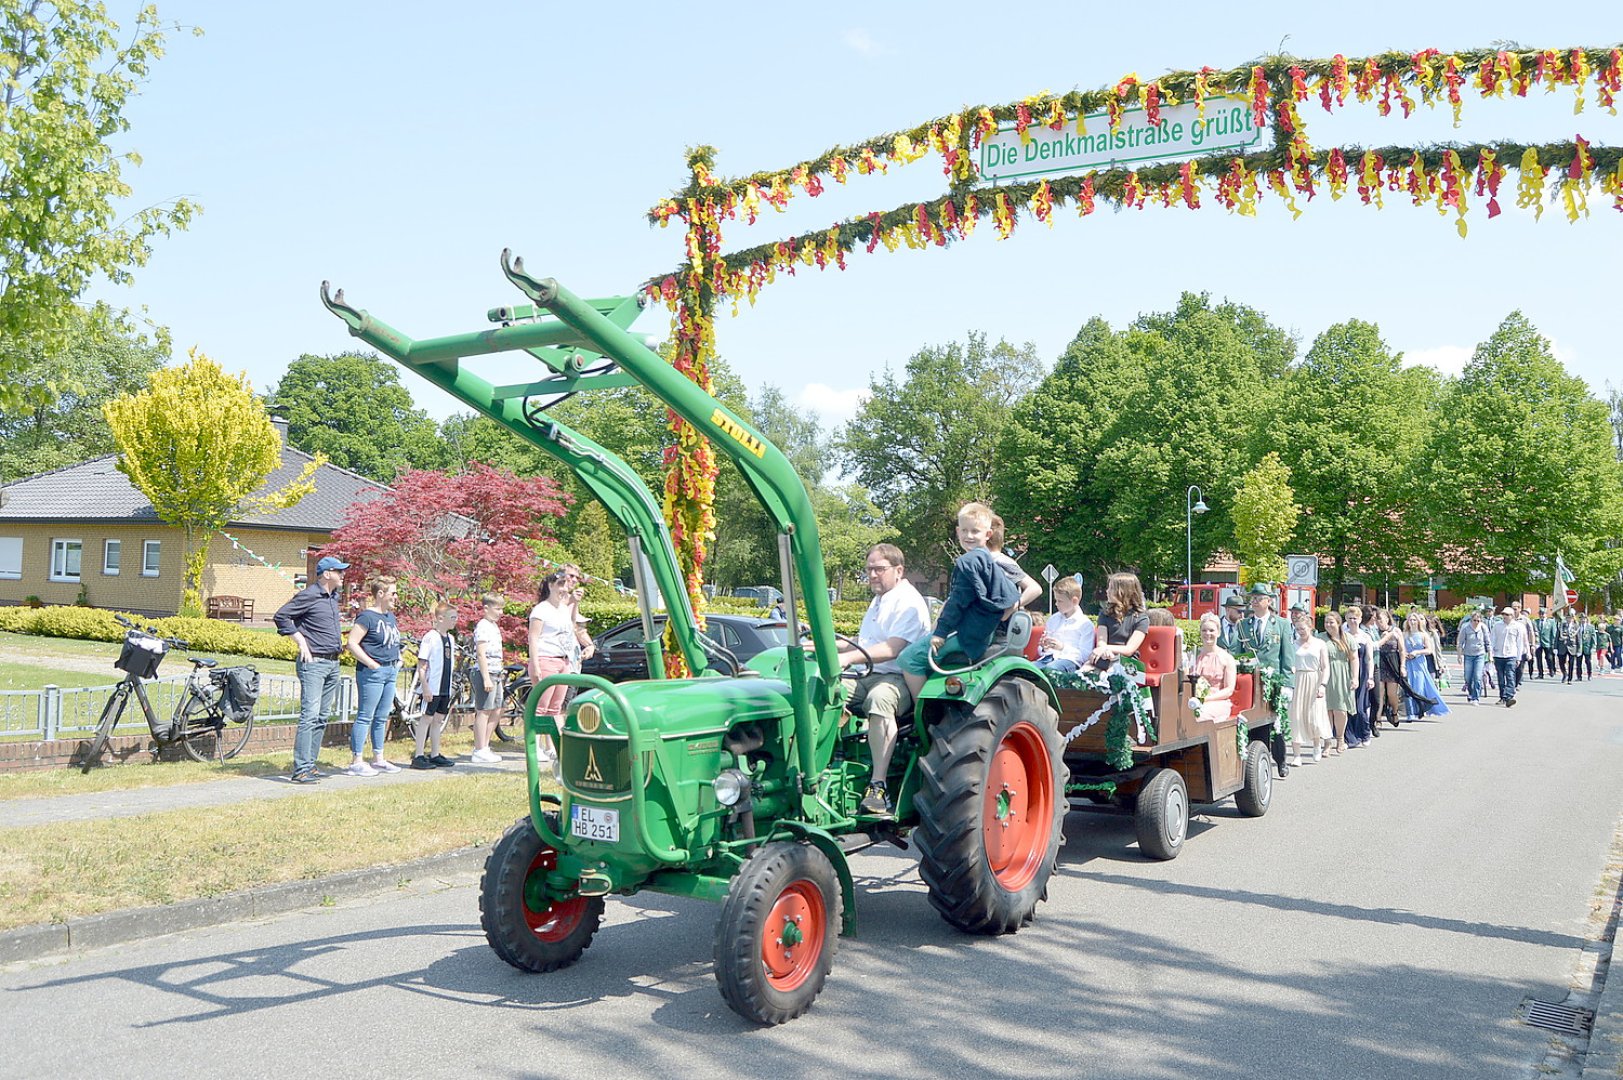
x,y
85,528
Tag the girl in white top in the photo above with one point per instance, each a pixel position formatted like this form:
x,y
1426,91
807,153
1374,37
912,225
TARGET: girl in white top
x,y
1310,717
554,639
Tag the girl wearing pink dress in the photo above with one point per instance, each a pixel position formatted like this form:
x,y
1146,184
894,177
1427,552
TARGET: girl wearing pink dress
x,y
1216,666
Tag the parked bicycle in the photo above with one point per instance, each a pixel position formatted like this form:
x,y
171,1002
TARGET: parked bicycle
x,y
215,713
516,688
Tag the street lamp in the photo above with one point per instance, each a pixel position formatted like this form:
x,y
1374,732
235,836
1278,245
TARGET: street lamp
x,y
1189,511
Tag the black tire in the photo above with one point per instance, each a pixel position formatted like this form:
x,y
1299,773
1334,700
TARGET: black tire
x,y
405,714
1162,815
530,940
791,885
1258,793
207,737
978,889
110,713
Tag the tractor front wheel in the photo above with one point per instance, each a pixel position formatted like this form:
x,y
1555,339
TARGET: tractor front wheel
x,y
991,808
532,939
776,938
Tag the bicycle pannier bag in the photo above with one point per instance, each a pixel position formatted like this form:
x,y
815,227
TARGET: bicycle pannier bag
x,y
241,692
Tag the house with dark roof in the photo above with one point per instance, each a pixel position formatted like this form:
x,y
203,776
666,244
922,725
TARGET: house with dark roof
x,y
84,531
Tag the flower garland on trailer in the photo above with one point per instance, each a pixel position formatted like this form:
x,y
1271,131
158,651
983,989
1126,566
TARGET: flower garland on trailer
x,y
1127,702
1271,690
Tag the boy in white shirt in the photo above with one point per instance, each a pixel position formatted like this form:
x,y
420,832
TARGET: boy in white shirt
x,y
436,662
1069,637
487,681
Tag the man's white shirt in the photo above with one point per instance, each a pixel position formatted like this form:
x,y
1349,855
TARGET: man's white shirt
x,y
899,613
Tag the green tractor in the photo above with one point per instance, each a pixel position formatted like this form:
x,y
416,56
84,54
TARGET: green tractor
x,y
742,789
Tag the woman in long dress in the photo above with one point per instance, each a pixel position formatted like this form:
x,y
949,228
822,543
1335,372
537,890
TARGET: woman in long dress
x,y
1216,666
1424,699
1343,675
1310,720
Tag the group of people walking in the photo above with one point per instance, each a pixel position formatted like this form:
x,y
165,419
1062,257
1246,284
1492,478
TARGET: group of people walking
x,y
1561,643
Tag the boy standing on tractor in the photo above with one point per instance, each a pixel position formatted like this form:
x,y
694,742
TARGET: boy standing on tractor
x,y
980,598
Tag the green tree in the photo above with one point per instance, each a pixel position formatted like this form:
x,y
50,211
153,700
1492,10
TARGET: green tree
x,y
926,443
352,408
1352,421
197,443
848,525
65,82
1265,515
1521,469
59,421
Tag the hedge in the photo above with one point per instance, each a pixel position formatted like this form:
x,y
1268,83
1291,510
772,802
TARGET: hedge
x,y
94,624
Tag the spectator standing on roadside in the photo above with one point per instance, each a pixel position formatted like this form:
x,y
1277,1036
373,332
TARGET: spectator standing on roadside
x,y
374,642
1508,642
487,680
436,663
555,638
1474,647
311,620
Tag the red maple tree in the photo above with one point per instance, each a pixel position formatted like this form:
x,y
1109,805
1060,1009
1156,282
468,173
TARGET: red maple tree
x,y
453,537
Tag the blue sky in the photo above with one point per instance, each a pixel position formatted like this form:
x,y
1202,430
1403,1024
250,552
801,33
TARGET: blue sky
x,y
396,148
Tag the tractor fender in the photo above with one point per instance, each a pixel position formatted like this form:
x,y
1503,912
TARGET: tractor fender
x,y
979,682
829,846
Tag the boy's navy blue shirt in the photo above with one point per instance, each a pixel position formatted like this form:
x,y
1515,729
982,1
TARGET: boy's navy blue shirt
x,y
981,592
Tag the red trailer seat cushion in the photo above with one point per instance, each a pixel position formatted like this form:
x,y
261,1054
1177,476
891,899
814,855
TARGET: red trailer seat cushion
x,y
1244,688
1159,652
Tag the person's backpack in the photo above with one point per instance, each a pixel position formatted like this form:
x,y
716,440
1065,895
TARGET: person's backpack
x,y
241,685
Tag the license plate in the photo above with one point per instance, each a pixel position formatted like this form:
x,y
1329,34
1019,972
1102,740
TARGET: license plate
x,y
590,823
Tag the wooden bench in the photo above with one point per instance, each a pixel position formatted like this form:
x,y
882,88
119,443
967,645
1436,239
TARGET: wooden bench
x,y
239,608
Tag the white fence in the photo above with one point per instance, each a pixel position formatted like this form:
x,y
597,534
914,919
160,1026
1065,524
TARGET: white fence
x,y
56,712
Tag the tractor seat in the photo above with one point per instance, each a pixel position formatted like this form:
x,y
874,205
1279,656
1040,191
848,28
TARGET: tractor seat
x,y
1244,691
1159,653
1014,638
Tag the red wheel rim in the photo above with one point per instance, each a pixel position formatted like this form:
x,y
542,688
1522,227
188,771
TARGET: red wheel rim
x,y
559,919
792,936
1018,812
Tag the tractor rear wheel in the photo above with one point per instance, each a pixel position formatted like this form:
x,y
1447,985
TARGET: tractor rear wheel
x,y
991,808
777,934
531,939
1162,815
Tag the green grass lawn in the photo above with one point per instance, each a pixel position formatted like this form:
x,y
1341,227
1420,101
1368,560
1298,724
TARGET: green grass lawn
x,y
15,676
29,648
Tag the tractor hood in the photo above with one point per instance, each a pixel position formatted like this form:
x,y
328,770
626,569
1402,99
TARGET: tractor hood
x,y
678,707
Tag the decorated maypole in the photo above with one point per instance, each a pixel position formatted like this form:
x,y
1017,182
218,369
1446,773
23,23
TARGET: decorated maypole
x,y
690,476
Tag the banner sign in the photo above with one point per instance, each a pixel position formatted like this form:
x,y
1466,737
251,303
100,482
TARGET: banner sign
x,y
1228,127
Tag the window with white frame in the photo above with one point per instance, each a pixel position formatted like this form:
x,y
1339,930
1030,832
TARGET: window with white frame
x,y
65,558
149,557
112,552
11,557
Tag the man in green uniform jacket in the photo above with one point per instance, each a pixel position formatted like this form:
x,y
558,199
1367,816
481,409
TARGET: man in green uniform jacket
x,y
1545,630
1274,643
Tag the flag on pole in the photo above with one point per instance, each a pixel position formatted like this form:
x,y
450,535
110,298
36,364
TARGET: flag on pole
x,y
1562,574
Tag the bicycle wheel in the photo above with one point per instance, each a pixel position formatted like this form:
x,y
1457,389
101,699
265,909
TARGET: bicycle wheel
x,y
104,727
202,729
511,718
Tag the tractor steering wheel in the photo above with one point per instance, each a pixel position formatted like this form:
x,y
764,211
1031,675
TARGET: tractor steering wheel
x,y
866,658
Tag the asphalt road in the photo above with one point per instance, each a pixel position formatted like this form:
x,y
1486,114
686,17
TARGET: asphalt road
x,y
1385,919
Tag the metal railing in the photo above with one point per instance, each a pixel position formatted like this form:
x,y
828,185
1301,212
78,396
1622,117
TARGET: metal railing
x,y
53,712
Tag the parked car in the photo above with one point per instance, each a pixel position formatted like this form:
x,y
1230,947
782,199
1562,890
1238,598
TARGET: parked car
x,y
765,595
620,656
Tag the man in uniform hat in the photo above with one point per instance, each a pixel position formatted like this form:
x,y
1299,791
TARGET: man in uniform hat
x,y
1228,631
1270,637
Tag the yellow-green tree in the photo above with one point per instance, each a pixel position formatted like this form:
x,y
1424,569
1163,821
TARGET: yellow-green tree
x,y
197,443
1264,515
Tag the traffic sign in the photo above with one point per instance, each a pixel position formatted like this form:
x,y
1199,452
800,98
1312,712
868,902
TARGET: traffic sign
x,y
1049,573
1572,597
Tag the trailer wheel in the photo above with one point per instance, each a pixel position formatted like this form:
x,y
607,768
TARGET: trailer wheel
x,y
1253,799
991,808
776,937
1162,815
531,939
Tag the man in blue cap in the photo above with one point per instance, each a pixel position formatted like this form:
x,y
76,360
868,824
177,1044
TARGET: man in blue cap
x,y
311,620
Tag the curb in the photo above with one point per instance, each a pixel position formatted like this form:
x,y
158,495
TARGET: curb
x,y
1605,1055
137,924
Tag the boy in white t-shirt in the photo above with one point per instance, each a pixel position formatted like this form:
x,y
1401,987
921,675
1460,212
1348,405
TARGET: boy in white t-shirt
x,y
487,680
1069,637
436,662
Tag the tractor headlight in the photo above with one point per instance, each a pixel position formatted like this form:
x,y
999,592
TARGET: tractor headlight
x,y
730,786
